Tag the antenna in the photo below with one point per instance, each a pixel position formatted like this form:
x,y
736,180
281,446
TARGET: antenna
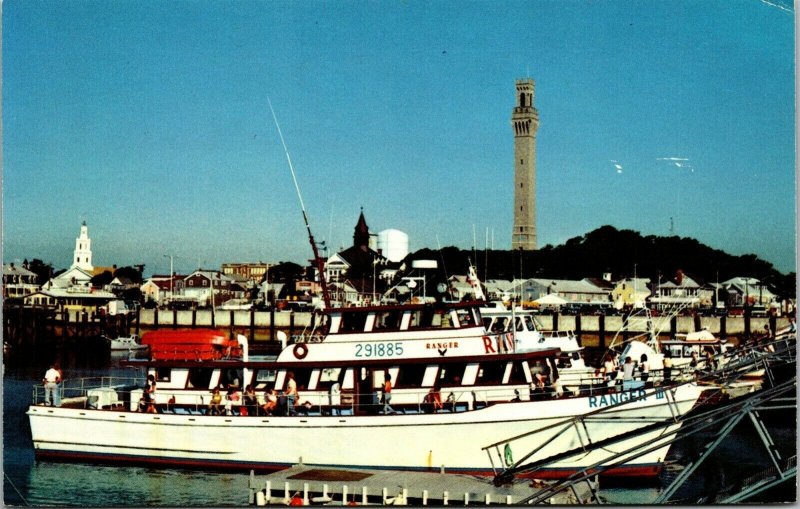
x,y
317,260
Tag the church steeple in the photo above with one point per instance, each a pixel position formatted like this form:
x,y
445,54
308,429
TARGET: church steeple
x,y
361,233
83,250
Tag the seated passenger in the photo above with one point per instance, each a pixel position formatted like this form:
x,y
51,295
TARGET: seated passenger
x,y
216,400
433,400
270,402
231,398
250,401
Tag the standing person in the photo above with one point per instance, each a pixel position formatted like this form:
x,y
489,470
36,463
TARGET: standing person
x,y
627,370
290,393
644,367
52,378
387,394
667,367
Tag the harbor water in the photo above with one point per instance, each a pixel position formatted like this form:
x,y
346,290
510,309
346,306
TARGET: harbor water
x,y
51,483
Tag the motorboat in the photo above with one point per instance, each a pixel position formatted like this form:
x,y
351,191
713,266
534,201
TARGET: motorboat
x,y
125,343
455,389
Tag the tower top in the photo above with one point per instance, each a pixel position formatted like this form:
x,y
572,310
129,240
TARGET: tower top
x,y
361,233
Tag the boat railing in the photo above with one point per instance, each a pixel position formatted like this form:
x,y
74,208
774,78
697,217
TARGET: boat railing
x,y
76,391
558,334
307,338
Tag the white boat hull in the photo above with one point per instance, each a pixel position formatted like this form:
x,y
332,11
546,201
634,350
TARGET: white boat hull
x,y
411,442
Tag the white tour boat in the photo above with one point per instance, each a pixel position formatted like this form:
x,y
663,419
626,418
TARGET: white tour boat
x,y
431,353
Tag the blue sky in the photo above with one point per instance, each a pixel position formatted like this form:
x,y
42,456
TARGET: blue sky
x,y
150,121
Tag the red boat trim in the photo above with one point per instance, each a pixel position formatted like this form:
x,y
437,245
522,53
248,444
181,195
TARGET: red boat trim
x,y
638,471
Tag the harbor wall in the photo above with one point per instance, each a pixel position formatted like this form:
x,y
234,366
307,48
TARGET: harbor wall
x,y
26,325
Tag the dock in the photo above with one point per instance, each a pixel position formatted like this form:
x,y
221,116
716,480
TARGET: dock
x,y
337,486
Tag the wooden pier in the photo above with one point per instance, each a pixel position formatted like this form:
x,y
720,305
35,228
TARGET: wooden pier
x,y
337,486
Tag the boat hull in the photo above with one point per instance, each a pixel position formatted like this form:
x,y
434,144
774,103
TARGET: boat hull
x,y
405,442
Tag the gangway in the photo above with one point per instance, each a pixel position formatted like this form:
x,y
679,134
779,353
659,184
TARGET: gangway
x,y
777,395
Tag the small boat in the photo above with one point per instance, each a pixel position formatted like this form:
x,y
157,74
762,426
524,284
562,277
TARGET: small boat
x,y
125,343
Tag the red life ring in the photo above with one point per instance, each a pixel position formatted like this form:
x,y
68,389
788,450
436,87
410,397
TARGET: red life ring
x,y
300,351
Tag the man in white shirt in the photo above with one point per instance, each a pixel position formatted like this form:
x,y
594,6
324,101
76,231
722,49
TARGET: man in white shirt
x,y
50,381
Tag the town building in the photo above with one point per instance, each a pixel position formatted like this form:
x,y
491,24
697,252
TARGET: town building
x,y
201,285
631,293
73,298
748,291
584,292
162,288
255,272
18,281
681,292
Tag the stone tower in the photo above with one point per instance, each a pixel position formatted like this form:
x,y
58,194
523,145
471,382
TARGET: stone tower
x,y
525,122
83,250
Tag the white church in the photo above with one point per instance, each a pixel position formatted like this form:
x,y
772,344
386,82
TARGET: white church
x,y
72,289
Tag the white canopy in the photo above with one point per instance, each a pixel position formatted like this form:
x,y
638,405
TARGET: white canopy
x,y
551,299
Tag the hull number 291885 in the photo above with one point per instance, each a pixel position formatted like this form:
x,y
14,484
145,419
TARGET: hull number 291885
x,y
379,349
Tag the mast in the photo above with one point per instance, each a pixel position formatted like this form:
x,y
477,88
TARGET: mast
x,y
317,260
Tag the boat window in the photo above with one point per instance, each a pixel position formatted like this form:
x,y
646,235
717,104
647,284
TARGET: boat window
x,y
487,322
466,318
199,378
564,361
387,320
491,373
230,377
519,325
411,375
517,374
353,322
451,374
264,378
529,324
163,374
301,377
499,324
330,376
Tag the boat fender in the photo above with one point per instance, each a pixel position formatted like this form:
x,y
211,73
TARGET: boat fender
x,y
300,351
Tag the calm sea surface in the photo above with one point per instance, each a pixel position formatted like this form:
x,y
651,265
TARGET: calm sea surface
x,y
48,483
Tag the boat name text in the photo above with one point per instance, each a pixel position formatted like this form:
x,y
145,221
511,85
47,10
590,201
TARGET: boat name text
x,y
620,397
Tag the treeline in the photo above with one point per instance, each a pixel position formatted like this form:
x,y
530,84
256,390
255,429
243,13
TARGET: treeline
x,y
619,252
